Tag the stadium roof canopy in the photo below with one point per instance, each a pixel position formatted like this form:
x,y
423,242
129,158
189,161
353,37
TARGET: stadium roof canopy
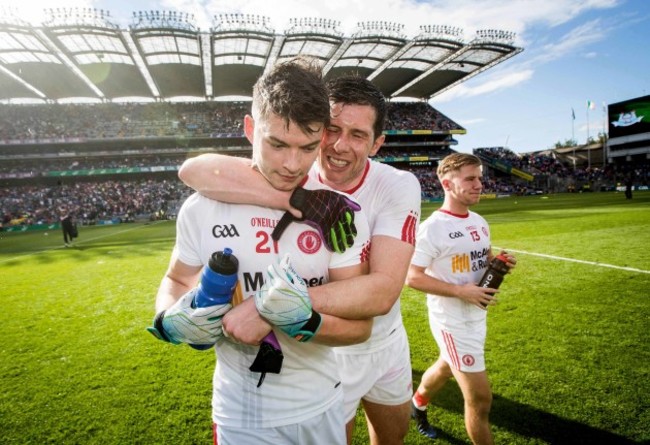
x,y
80,54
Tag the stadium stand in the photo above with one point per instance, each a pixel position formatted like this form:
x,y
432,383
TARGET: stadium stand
x,y
111,147
106,202
168,91
552,171
161,90
122,143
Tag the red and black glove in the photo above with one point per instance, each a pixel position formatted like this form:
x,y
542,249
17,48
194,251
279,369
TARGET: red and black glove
x,y
329,212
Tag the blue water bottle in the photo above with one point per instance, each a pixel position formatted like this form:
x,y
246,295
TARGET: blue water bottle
x,y
218,283
218,280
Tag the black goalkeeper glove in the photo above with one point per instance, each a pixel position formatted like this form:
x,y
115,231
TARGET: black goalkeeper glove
x,y
329,212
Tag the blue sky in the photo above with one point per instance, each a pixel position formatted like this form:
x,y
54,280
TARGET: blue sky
x,y
574,51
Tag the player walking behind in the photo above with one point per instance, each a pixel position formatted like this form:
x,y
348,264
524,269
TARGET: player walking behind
x,y
451,253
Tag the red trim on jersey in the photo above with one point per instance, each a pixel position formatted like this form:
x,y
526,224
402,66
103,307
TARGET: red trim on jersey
x,y
408,229
354,189
451,349
454,214
215,441
365,252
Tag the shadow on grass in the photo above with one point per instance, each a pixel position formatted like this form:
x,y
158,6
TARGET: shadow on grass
x,y
526,420
85,250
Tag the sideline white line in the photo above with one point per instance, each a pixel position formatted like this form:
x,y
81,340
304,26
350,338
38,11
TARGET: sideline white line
x,y
591,263
79,243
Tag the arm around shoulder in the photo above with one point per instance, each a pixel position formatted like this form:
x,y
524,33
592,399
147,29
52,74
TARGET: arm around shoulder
x,y
231,179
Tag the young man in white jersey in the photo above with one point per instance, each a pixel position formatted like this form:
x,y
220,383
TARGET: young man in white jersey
x,y
302,404
453,250
376,373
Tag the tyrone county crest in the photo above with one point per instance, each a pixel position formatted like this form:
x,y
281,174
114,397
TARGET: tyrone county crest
x,y
309,242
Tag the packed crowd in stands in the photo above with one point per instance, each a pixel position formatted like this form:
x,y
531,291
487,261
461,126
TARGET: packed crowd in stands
x,y
534,163
88,163
156,197
126,199
429,184
431,188
545,164
107,121
92,202
416,116
37,168
197,119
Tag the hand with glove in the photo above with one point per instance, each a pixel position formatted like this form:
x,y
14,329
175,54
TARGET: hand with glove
x,y
329,212
284,302
200,327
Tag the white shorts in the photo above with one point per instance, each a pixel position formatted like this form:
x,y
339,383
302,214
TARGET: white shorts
x,y
461,344
383,377
327,427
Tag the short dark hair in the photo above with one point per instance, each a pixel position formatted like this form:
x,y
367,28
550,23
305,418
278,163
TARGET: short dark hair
x,y
353,89
456,161
295,91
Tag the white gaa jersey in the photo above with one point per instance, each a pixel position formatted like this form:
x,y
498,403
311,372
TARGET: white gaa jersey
x,y
453,249
390,199
308,383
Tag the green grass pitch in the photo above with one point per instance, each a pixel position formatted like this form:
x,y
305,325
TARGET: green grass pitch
x,y
567,349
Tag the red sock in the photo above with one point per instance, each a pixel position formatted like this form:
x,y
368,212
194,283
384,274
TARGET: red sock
x,y
419,400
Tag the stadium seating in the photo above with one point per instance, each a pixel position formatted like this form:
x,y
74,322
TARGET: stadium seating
x,y
119,161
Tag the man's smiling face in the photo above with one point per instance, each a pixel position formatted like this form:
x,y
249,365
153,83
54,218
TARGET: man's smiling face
x,y
349,140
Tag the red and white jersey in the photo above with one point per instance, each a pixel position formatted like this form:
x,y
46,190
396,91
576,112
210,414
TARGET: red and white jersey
x,y
309,382
453,249
390,199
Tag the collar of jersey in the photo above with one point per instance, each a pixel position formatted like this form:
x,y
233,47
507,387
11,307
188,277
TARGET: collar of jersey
x,y
454,214
363,179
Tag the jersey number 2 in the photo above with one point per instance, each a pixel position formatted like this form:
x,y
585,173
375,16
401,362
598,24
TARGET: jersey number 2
x,y
265,243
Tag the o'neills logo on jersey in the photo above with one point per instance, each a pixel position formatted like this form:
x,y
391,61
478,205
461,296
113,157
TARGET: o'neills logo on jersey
x,y
264,222
309,241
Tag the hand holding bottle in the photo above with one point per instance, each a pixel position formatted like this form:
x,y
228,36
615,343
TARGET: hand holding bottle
x,y
496,272
196,318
